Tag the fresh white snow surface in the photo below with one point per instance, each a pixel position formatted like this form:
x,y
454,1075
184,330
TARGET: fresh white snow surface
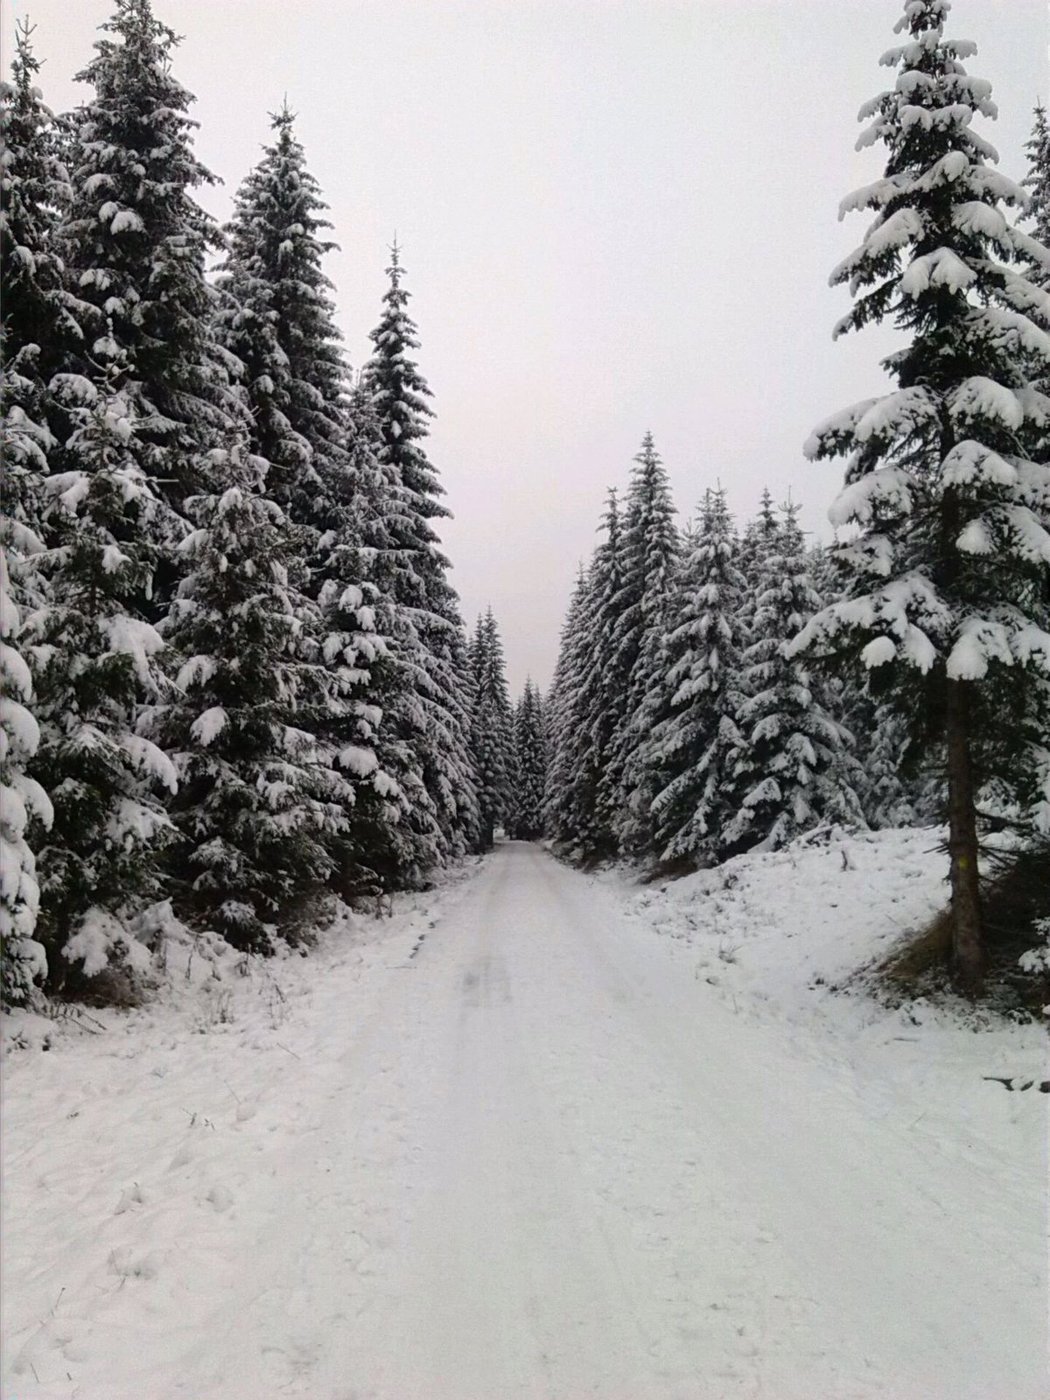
x,y
518,1144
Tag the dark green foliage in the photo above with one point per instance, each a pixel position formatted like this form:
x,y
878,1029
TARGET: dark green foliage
x,y
429,647
96,663
492,731
639,626
586,708
527,821
945,576
136,243
259,799
278,318
38,326
691,753
792,768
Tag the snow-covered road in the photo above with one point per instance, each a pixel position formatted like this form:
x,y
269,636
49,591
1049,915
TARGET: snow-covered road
x,y
528,1156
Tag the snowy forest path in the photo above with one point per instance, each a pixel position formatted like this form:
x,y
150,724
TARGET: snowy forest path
x,y
527,1156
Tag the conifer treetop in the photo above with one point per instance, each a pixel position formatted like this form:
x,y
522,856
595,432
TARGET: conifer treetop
x,y
34,185
940,242
136,241
136,94
1037,182
937,260
279,213
280,321
400,394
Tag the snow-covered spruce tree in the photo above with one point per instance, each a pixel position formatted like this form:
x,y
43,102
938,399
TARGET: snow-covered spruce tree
x,y
431,652
1037,268
407,842
1038,183
38,330
35,332
530,746
564,716
278,319
492,731
1037,433
23,961
757,541
350,714
96,664
793,769
639,624
136,241
259,799
951,549
641,779
690,757
597,705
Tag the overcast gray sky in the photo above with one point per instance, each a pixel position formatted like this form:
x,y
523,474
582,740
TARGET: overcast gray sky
x,y
616,215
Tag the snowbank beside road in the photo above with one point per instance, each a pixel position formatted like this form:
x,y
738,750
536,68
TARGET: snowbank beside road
x,y
790,927
134,1150
784,938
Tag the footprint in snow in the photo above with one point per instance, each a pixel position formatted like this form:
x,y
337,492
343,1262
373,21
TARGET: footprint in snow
x,y
220,1197
130,1196
124,1263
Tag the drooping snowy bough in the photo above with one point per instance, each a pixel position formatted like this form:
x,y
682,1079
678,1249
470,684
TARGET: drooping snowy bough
x,y
947,498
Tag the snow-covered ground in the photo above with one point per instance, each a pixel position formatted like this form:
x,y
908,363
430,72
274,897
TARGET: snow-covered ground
x,y
546,1135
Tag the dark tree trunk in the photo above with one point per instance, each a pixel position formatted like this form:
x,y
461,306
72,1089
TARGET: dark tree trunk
x,y
967,927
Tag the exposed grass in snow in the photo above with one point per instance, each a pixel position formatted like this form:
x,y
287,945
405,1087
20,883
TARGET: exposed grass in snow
x,y
1016,900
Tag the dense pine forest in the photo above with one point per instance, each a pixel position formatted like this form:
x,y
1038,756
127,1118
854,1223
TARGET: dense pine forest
x,y
437,1004
237,681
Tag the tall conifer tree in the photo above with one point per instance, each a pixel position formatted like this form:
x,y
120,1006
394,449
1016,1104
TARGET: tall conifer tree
x,y
600,699
278,319
759,539
407,840
431,650
38,330
492,731
565,716
792,769
96,667
650,553
530,744
260,800
691,754
948,570
136,242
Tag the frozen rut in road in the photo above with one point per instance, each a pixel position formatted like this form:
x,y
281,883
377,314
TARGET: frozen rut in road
x,y
530,1156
